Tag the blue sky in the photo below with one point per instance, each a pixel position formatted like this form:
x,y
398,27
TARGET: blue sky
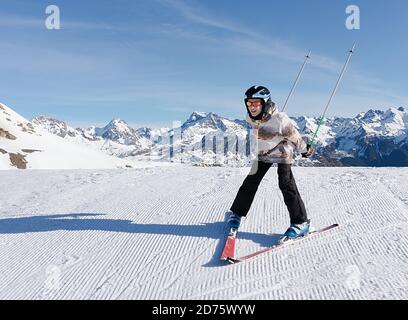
x,y
152,62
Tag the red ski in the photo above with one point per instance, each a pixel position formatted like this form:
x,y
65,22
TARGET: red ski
x,y
279,246
228,253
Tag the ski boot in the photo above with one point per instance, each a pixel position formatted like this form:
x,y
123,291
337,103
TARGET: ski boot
x,y
295,231
234,221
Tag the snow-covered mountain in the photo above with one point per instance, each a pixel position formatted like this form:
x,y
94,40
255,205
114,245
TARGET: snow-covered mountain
x,y
54,126
117,138
201,139
25,144
117,130
207,138
372,138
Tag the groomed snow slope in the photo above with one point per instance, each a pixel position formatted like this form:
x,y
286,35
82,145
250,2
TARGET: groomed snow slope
x,y
156,233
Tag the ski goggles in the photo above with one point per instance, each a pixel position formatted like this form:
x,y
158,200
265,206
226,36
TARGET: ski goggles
x,y
255,103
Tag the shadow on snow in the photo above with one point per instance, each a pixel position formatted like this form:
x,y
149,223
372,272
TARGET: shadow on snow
x,y
89,222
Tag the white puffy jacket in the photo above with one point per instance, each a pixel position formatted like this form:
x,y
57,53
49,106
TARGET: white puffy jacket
x,y
278,139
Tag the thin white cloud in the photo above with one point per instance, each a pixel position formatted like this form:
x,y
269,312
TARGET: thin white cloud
x,y
374,86
255,44
87,25
367,89
192,14
48,58
283,51
17,22
12,21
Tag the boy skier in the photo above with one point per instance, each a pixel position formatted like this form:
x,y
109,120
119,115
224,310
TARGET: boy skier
x,y
278,140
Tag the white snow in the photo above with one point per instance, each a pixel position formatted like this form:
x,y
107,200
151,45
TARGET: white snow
x,y
156,233
50,151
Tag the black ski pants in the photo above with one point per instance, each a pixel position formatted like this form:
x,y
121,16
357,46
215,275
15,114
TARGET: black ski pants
x,y
287,185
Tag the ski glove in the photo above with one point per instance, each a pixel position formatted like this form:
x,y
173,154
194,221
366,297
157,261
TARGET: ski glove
x,y
309,151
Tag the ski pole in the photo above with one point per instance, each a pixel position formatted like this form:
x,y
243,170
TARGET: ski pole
x,y
296,81
333,93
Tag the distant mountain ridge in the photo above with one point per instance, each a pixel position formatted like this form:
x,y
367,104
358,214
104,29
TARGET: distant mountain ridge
x,y
372,138
28,145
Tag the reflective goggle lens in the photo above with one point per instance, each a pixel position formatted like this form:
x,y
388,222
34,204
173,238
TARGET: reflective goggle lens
x,y
256,103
